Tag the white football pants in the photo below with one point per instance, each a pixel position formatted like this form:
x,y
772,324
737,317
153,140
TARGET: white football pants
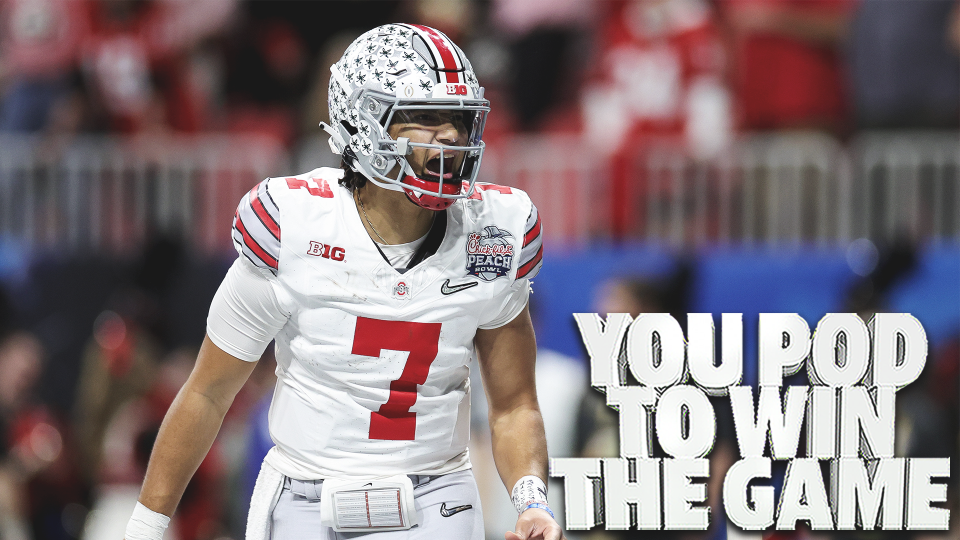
x,y
297,514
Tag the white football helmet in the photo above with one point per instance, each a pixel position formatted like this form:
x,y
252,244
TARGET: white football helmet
x,y
394,72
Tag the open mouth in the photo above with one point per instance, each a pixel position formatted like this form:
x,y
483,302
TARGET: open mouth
x,y
432,167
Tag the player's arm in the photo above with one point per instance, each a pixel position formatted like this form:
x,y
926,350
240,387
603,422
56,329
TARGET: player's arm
x,y
190,426
245,315
507,358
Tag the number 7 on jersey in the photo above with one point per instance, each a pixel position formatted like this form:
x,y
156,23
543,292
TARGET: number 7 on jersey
x,y
394,421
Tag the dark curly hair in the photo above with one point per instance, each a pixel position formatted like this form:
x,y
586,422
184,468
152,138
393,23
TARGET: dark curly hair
x,y
351,178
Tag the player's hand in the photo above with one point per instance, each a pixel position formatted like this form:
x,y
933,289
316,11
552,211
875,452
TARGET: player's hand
x,y
536,524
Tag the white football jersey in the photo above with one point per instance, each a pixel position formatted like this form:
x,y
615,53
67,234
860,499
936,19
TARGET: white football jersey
x,y
372,363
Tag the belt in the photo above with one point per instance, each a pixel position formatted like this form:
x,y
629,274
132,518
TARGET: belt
x,y
311,488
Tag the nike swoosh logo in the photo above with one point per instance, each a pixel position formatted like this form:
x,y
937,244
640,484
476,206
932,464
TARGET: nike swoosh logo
x,y
456,509
446,288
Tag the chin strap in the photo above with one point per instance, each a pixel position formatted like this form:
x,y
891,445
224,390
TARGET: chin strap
x,y
386,185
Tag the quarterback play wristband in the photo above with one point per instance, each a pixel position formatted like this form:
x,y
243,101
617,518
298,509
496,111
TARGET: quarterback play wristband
x,y
145,524
539,505
528,490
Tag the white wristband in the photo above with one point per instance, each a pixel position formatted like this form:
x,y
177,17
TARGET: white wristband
x,y
145,524
527,490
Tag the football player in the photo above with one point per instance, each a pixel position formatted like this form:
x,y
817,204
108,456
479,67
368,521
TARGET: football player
x,y
377,281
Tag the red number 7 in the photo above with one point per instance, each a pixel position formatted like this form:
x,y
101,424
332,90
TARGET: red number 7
x,y
394,421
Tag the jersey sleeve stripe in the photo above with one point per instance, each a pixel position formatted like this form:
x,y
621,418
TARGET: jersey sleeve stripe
x,y
532,234
269,203
263,192
240,246
534,263
250,257
261,223
533,223
264,216
250,243
530,251
243,250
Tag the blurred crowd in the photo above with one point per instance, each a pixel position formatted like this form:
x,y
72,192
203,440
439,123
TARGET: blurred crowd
x,y
927,410
92,354
91,357
616,71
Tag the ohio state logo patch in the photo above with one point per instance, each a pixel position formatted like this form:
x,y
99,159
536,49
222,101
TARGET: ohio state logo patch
x,y
489,253
401,290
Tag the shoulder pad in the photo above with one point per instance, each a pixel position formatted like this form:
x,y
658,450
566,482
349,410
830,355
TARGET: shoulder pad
x,y
512,201
256,227
480,188
531,251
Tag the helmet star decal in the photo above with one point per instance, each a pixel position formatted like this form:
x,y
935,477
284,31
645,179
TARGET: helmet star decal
x,y
426,85
410,55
